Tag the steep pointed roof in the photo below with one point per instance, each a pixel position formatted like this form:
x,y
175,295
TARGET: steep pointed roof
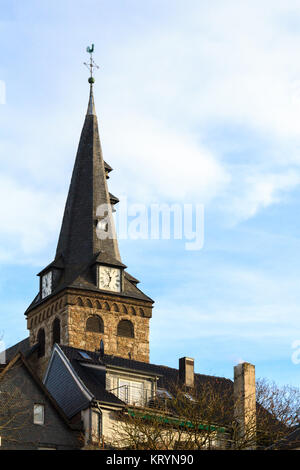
x,y
78,240
79,245
91,111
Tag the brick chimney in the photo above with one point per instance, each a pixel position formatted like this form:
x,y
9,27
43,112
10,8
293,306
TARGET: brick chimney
x,y
245,402
186,371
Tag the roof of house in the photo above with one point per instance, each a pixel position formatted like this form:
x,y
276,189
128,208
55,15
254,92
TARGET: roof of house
x,y
94,379
22,346
291,441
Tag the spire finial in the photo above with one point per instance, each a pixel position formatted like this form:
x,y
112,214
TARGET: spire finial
x,y
91,66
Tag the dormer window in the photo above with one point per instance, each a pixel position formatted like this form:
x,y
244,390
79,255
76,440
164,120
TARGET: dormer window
x,y
132,392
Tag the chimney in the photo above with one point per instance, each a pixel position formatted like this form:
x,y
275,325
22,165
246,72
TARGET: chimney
x,y
245,402
186,371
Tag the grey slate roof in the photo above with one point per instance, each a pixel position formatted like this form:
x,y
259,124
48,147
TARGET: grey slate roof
x,y
62,382
88,190
94,380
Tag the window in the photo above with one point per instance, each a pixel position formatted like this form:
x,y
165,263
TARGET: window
x,y
56,331
131,392
94,324
125,328
38,414
85,355
41,342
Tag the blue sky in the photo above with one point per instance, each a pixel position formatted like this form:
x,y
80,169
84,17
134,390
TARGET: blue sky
x,y
197,102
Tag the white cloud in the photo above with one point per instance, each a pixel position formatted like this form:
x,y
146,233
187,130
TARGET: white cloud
x,y
171,165
239,302
229,60
28,220
229,64
250,194
161,87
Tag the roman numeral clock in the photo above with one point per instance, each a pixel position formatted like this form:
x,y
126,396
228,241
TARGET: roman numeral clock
x,y
46,284
109,278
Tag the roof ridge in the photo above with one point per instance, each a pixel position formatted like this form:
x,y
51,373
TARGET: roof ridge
x,y
145,363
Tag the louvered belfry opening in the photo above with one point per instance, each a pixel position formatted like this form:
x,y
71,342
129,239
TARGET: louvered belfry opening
x,y
94,324
125,328
41,342
56,331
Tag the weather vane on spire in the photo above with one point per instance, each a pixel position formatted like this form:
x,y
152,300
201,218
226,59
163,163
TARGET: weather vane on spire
x,y
92,65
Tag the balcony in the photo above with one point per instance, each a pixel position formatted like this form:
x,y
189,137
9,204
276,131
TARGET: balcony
x,y
135,394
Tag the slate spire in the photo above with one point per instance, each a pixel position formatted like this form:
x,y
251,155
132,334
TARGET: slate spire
x,y
87,237
79,239
91,106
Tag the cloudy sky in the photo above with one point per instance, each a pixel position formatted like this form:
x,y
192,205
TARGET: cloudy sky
x,y
197,102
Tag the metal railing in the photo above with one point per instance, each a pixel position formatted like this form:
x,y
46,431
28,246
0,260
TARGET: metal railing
x,y
135,395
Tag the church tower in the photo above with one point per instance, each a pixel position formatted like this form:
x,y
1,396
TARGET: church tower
x,y
86,297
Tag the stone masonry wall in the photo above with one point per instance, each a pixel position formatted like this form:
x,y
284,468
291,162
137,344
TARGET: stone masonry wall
x,y
73,312
138,346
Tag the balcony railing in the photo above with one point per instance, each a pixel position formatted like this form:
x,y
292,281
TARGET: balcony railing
x,y
134,395
142,397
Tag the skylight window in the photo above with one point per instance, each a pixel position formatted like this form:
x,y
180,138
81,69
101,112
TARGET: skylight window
x,y
85,355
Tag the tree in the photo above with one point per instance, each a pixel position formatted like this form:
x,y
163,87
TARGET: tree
x,y
278,412
15,411
204,418
179,420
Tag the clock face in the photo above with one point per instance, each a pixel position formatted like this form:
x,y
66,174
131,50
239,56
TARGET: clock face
x,y
110,278
47,284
